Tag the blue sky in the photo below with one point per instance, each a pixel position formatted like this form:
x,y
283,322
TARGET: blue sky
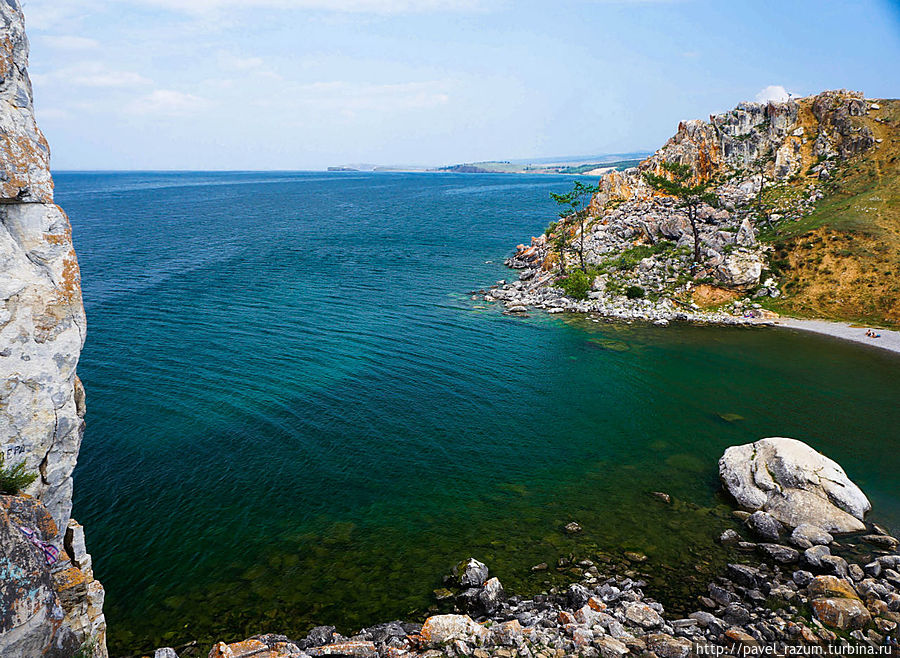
x,y
303,84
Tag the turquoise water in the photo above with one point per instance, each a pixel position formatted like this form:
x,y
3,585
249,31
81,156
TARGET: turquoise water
x,y
297,415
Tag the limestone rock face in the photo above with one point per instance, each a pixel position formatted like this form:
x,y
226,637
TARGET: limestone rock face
x,y
24,154
793,483
42,330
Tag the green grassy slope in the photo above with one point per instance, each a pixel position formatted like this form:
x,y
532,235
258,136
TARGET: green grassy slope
x,y
842,261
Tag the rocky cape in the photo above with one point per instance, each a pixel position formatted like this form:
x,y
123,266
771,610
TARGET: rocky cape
x,y
768,166
50,603
789,585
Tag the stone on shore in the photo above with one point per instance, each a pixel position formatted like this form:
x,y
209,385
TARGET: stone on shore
x,y
471,573
794,484
765,526
442,629
806,536
640,614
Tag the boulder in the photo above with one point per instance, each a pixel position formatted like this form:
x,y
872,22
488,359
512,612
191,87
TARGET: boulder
x,y
813,556
740,270
610,647
765,526
471,573
442,629
491,596
831,586
778,553
806,535
509,633
836,604
843,614
577,595
640,614
793,483
746,236
666,646
318,636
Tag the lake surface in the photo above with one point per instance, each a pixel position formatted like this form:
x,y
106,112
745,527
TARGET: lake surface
x,y
297,414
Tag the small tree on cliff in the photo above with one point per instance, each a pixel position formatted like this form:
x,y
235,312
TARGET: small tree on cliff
x,y
574,207
676,182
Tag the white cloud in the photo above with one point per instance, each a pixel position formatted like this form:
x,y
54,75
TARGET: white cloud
x,y
351,97
111,79
49,14
90,74
168,102
231,62
363,6
773,93
67,42
50,113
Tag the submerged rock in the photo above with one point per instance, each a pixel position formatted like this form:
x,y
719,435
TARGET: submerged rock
x,y
794,484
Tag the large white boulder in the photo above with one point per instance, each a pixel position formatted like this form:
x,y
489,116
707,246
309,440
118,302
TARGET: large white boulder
x,y
793,483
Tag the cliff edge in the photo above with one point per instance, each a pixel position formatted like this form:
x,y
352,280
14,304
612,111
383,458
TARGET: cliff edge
x,y
51,604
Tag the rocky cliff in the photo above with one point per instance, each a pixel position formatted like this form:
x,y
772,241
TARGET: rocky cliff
x,y
771,168
50,600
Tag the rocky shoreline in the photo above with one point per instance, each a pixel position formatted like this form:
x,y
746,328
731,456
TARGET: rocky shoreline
x,y
538,292
808,573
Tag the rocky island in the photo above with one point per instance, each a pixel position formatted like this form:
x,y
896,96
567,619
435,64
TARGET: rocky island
x,y
798,219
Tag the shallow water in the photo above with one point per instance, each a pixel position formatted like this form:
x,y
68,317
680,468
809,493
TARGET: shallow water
x,y
297,415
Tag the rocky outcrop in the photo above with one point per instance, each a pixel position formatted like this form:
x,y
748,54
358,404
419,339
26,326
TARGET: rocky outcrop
x,y
24,154
50,603
42,330
787,480
765,163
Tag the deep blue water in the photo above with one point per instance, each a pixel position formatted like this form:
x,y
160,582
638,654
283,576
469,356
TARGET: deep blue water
x,y
297,414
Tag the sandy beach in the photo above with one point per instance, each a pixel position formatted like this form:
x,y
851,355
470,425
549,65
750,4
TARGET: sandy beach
x,y
889,340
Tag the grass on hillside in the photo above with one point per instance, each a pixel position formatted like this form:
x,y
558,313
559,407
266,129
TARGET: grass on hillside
x,y
842,261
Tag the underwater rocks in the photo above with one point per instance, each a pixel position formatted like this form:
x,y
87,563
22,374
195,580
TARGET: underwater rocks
x,y
800,595
613,617
794,485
